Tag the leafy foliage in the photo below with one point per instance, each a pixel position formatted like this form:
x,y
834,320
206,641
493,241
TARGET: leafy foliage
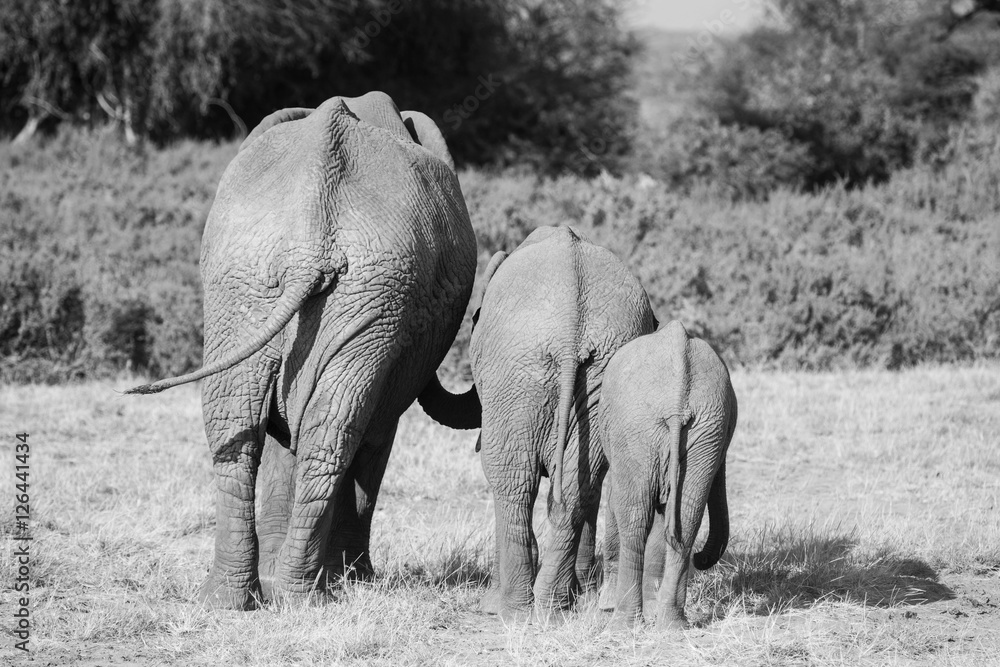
x,y
516,80
864,87
103,256
104,246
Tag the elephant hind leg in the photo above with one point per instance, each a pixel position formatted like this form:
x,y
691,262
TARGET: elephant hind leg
x,y
320,472
632,505
233,408
586,561
348,552
673,589
515,489
275,495
515,558
609,586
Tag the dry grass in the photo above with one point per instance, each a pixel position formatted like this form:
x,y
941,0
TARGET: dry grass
x,y
865,531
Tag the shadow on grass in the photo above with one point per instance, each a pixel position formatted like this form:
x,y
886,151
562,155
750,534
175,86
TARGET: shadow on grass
x,y
786,570
454,563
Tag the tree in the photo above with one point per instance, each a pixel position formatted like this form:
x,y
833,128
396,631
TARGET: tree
x,y
525,81
862,87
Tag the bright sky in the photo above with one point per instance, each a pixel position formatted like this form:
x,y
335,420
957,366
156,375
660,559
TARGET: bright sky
x,y
710,15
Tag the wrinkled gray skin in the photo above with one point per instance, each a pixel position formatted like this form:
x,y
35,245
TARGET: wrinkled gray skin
x,y
337,263
552,314
666,398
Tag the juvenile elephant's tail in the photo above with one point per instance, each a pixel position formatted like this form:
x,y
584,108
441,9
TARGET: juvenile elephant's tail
x,y
566,363
670,475
564,410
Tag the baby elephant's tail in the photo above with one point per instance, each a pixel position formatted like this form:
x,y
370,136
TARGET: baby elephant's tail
x,y
718,523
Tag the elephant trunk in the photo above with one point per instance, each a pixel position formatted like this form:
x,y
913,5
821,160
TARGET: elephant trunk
x,y
459,411
718,526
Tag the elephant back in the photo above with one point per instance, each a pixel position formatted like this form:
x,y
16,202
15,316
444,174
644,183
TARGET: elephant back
x,y
555,277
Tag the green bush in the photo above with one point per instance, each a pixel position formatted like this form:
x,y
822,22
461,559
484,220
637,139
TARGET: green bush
x,y
865,89
736,163
103,247
842,278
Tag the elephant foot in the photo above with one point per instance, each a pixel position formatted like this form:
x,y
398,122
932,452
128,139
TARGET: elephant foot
x,y
672,622
284,597
493,603
267,580
553,602
277,592
549,618
609,589
626,620
514,615
216,594
607,600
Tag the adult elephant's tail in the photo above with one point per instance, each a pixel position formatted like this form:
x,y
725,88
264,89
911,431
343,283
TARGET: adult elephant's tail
x,y
287,305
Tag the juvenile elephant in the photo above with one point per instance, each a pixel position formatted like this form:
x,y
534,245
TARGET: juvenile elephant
x,y
337,262
552,314
668,413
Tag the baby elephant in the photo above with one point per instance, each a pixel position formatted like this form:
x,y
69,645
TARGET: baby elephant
x,y
667,415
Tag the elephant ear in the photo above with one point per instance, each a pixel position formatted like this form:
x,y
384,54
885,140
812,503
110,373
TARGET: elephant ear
x,y
426,133
495,261
276,118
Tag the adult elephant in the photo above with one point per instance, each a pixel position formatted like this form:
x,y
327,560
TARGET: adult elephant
x,y
337,262
552,314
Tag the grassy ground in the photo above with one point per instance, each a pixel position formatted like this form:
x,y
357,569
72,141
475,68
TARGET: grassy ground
x,y
865,531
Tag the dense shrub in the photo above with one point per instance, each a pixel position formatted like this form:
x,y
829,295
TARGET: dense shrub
x,y
845,278
864,87
733,162
103,245
100,256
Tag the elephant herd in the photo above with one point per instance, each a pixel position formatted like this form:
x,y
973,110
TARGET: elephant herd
x,y
338,261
